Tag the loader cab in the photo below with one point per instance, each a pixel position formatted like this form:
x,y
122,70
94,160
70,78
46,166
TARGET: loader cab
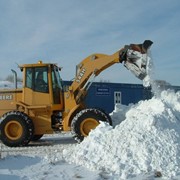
x,y
42,85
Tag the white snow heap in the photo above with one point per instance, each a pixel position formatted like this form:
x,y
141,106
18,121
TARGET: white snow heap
x,y
119,113
147,140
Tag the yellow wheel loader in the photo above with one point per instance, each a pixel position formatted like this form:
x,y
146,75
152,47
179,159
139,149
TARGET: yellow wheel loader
x,y
42,106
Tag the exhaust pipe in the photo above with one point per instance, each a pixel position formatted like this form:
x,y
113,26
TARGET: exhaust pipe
x,y
15,78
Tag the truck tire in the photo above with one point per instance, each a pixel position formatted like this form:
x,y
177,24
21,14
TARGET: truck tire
x,y
16,129
86,120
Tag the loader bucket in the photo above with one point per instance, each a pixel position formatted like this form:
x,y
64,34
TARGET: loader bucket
x,y
137,59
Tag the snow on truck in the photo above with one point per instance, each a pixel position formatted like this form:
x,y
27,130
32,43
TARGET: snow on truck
x,y
41,106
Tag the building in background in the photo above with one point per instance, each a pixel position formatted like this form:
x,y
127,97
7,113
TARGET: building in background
x,y
105,95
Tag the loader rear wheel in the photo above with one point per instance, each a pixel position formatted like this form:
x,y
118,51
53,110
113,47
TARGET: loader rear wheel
x,y
16,129
86,120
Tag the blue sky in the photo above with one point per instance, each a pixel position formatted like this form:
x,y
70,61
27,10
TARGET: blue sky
x,y
67,31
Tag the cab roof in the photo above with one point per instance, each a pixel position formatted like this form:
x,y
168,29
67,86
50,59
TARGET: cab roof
x,y
38,64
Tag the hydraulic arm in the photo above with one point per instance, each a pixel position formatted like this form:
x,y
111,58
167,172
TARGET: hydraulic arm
x,y
134,57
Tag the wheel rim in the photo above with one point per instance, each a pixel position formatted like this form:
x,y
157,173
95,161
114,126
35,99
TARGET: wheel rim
x,y
13,130
87,125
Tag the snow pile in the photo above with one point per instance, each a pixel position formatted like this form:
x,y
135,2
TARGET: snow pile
x,y
119,113
148,140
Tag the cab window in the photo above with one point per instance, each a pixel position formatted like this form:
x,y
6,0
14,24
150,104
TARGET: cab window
x,y
29,78
56,85
37,79
41,80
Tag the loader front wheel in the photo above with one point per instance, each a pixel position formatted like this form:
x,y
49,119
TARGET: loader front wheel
x,y
87,124
16,129
86,120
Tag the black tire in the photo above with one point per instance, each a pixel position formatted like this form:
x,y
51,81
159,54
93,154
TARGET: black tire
x,y
86,120
16,129
37,137
109,120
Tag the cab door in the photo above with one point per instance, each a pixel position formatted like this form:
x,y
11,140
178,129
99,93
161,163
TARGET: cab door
x,y
34,92
57,88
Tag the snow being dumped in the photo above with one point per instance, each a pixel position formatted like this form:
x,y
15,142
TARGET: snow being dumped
x,y
148,140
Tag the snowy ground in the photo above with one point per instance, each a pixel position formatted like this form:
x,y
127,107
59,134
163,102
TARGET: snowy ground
x,y
42,160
